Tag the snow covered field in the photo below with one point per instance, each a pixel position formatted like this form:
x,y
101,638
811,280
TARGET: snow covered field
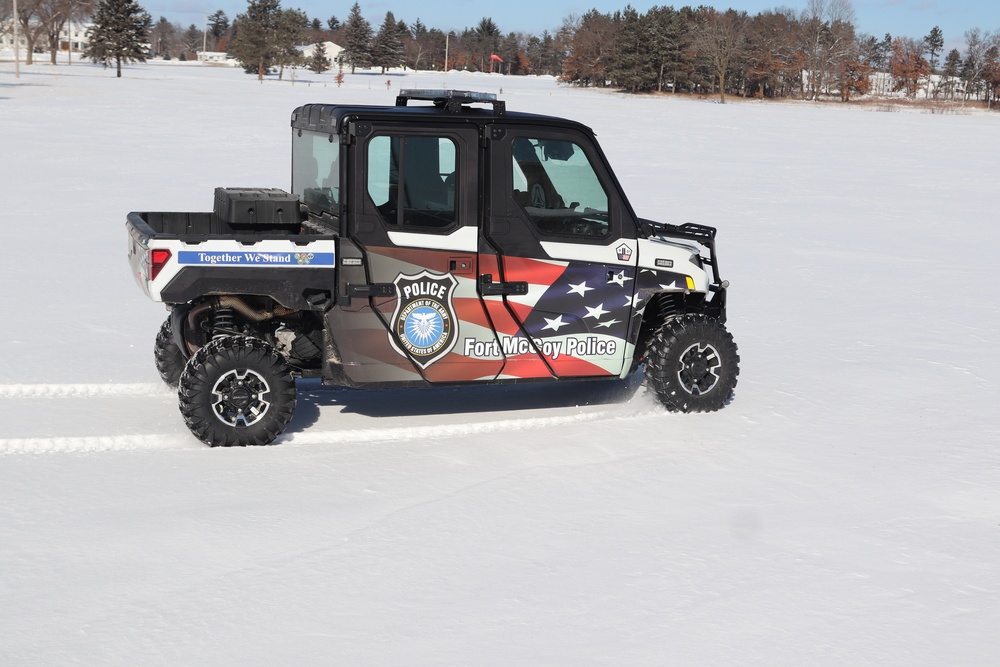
x,y
844,509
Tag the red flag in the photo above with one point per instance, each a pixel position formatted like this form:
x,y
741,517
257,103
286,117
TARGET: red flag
x,y
494,56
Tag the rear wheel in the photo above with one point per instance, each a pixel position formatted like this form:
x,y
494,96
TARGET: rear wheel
x,y
169,359
237,391
692,364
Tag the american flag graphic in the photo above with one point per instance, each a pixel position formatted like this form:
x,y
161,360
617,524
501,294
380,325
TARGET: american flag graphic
x,y
574,321
580,312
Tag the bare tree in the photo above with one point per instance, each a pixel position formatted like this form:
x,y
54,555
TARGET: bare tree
x,y
591,49
828,39
54,15
908,65
720,40
31,28
6,9
774,60
977,44
164,38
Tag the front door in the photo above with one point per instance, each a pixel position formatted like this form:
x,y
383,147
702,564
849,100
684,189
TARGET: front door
x,y
566,255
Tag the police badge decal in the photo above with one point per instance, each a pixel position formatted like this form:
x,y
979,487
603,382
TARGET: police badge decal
x,y
423,323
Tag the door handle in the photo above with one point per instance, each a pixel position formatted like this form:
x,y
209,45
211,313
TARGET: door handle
x,y
371,290
489,288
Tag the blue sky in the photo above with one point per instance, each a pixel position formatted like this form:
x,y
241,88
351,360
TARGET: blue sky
x,y
908,18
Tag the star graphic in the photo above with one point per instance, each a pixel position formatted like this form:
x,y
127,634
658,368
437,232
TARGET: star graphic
x,y
596,313
620,279
632,301
554,324
609,323
580,289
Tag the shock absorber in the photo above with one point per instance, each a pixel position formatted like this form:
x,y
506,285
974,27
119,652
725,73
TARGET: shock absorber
x,y
223,323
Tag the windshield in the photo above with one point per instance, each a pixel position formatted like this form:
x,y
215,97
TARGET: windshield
x,y
315,170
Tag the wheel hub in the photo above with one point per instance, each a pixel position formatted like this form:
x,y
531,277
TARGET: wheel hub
x,y
240,398
699,366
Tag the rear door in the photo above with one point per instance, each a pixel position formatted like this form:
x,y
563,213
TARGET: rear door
x,y
416,221
565,247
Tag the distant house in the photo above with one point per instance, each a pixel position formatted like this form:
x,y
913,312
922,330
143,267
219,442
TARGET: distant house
x,y
72,34
332,50
219,57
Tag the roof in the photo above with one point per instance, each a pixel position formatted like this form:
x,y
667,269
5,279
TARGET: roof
x,y
445,105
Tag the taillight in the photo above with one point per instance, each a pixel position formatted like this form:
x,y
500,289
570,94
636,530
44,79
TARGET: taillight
x,y
158,258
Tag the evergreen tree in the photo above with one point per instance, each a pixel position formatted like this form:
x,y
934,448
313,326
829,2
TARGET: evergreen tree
x,y
632,68
933,43
266,36
952,70
358,34
218,25
193,39
319,62
387,48
292,24
486,38
665,47
120,33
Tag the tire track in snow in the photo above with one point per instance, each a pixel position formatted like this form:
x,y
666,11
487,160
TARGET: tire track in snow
x,y
116,443
151,442
408,433
100,443
83,390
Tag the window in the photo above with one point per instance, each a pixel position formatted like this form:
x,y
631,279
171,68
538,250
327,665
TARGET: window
x,y
316,170
558,188
411,180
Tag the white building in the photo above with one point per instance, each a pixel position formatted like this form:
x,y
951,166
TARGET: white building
x,y
332,50
213,57
73,34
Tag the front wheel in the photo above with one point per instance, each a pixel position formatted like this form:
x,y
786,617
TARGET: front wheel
x,y
692,364
237,391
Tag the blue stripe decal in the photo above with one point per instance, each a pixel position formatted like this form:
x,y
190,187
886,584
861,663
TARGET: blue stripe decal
x,y
217,258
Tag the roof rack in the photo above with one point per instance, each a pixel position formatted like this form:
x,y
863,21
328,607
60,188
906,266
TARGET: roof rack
x,y
451,100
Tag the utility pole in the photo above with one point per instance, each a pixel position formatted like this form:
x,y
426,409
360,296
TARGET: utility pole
x,y
204,40
446,38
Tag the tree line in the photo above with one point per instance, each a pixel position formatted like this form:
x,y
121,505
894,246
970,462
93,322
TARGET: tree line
x,y
773,54
266,37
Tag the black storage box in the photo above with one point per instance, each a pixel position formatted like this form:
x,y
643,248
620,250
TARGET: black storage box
x,y
260,208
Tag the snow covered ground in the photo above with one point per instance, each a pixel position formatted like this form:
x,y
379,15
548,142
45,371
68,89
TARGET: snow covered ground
x,y
843,509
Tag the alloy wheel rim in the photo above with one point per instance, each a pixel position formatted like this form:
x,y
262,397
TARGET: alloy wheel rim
x,y
240,398
698,372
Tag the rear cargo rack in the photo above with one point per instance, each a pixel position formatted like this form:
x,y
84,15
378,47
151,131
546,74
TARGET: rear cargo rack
x,y
452,100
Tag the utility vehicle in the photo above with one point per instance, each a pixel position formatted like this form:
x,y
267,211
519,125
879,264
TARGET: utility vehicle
x,y
441,240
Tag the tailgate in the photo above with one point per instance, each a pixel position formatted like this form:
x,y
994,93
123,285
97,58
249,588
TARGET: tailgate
x,y
139,235
177,268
